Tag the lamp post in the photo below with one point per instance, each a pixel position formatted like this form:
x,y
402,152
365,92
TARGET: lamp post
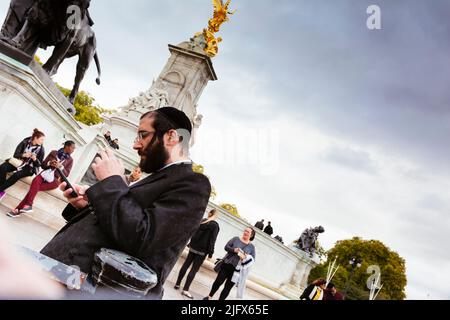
x,y
354,263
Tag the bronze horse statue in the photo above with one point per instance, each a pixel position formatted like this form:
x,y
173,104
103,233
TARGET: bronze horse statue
x,y
31,24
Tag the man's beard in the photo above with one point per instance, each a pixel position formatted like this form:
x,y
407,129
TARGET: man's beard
x,y
155,157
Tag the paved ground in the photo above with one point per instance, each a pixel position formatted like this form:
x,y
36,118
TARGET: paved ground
x,y
26,232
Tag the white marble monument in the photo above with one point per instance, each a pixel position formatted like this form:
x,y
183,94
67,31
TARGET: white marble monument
x,y
26,102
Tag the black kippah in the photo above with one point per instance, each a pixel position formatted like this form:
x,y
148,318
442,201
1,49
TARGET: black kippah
x,y
176,117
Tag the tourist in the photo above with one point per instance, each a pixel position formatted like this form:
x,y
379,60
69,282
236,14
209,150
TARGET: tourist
x,y
114,144
280,239
107,136
26,161
315,291
268,230
260,225
48,179
135,176
331,293
201,245
240,255
151,220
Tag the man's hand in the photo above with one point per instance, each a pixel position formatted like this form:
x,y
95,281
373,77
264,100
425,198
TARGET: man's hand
x,y
81,201
33,157
237,250
107,165
26,155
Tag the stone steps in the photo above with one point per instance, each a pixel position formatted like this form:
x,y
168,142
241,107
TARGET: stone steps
x,y
25,231
47,207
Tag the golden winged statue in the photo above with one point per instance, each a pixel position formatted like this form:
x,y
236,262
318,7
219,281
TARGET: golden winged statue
x,y
220,16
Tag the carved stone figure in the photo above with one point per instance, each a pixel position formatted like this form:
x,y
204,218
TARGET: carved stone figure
x,y
307,240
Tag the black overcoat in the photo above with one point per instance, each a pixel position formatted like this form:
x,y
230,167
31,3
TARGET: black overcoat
x,y
152,220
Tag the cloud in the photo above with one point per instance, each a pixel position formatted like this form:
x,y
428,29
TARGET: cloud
x,y
360,118
352,159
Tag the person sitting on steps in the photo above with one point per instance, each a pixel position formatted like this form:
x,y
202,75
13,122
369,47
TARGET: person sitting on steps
x,y
29,155
48,179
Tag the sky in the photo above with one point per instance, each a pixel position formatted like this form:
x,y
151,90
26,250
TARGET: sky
x,y
315,119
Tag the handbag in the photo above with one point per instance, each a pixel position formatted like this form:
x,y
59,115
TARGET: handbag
x,y
15,162
218,265
48,175
122,273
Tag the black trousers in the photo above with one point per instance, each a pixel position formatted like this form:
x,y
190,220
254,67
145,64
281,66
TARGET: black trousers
x,y
6,168
196,260
225,274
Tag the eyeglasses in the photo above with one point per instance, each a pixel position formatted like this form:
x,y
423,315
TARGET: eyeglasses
x,y
142,135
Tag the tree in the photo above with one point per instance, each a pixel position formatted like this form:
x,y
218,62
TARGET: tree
x,y
320,251
372,252
86,111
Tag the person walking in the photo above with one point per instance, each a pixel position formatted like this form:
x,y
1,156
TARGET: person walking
x,y
29,155
201,245
331,293
315,291
239,250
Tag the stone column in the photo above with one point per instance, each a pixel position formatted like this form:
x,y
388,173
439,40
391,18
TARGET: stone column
x,y
179,85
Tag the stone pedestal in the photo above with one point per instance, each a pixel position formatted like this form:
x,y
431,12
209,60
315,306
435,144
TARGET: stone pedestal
x,y
180,85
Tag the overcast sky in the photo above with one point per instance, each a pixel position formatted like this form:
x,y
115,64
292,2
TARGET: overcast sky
x,y
315,119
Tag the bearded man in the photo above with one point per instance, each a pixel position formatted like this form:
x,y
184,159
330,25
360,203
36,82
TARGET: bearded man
x,y
151,220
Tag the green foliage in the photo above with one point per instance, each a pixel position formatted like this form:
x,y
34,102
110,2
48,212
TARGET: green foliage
x,y
86,111
372,252
320,251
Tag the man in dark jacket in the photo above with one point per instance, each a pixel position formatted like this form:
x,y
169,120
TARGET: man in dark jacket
x,y
331,293
153,219
268,230
260,225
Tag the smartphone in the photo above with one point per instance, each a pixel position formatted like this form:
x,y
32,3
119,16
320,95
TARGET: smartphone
x,y
68,184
